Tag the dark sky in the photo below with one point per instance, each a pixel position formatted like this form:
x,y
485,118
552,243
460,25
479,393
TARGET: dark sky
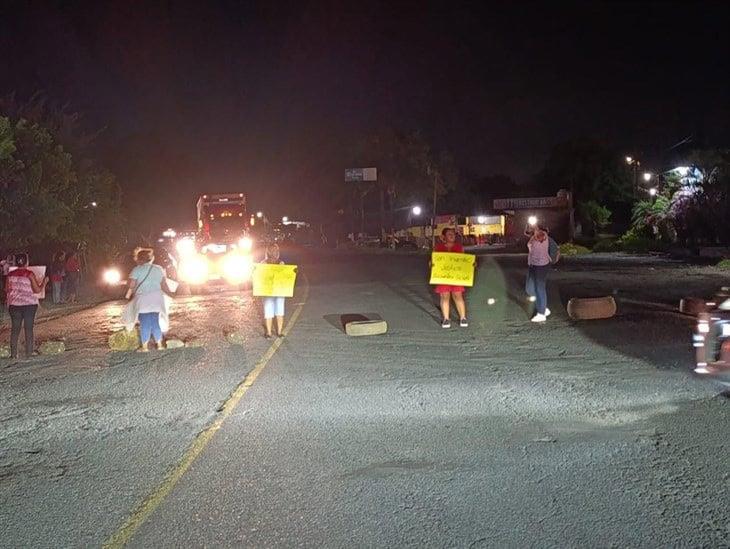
x,y
216,96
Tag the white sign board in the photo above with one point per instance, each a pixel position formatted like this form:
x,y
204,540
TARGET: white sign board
x,y
529,203
361,174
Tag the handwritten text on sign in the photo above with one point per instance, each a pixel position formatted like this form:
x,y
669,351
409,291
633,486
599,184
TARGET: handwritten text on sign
x,y
274,280
453,269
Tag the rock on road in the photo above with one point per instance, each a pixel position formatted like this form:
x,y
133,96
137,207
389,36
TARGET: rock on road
x,y
502,434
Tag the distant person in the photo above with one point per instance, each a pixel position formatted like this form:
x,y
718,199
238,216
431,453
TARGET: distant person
x,y
72,277
447,292
147,287
22,285
538,264
273,306
5,265
58,272
553,251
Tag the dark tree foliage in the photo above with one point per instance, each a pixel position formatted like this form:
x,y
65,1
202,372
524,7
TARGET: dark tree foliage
x,y
700,211
593,172
51,195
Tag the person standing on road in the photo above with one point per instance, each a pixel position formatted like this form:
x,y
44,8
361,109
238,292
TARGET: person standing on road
x,y
58,271
4,270
447,292
73,272
538,264
147,287
21,288
273,306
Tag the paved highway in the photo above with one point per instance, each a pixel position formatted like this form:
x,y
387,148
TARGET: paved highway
x,y
503,434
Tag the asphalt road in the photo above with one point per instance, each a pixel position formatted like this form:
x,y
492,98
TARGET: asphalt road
x,y
503,434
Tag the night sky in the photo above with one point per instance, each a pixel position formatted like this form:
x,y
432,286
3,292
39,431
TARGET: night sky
x,y
266,98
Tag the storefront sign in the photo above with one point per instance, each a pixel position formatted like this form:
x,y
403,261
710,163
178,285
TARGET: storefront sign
x,y
530,203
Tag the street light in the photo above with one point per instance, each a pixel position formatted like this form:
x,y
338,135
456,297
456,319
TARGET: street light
x,y
416,210
647,176
653,191
259,214
285,219
629,160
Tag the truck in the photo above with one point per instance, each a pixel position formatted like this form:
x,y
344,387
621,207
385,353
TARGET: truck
x,y
221,252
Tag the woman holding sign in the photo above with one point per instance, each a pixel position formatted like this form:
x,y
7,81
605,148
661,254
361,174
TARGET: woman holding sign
x,y
447,292
538,264
22,289
273,306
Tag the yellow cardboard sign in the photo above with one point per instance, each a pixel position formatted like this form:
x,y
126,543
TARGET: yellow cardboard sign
x,y
452,269
271,280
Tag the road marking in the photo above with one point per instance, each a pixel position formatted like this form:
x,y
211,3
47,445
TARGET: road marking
x,y
142,512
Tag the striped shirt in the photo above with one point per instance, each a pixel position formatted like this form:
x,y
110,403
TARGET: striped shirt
x,y
18,289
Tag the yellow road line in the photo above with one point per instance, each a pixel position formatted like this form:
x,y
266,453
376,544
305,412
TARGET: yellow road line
x,y
143,511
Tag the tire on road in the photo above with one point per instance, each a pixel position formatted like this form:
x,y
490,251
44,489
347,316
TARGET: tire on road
x,y
359,328
591,308
692,306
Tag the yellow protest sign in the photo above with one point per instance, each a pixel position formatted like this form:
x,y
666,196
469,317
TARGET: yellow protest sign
x,y
271,280
452,269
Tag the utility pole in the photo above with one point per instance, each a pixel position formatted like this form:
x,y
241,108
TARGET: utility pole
x,y
433,218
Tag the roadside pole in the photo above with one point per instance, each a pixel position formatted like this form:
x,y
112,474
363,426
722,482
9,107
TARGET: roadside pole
x,y
433,213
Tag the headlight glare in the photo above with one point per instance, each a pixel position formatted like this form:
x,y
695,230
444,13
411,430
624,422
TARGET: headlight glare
x,y
112,277
237,268
194,270
246,243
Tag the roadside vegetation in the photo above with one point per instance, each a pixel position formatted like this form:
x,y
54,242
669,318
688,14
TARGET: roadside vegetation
x,y
52,191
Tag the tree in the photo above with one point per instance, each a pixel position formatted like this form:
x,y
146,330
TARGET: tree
x,y
700,208
474,194
38,179
651,219
594,216
592,172
409,170
49,196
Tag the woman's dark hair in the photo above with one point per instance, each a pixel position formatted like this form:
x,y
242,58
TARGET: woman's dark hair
x,y
143,255
446,230
21,260
271,248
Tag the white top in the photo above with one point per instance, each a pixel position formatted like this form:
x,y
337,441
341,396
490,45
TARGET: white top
x,y
149,295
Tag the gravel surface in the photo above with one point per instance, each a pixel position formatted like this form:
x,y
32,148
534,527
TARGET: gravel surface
x,y
503,434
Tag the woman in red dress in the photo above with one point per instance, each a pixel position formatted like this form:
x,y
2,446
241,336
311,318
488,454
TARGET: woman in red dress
x,y
446,292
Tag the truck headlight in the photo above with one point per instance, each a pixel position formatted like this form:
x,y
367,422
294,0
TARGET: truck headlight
x,y
237,268
194,270
245,244
185,247
111,277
